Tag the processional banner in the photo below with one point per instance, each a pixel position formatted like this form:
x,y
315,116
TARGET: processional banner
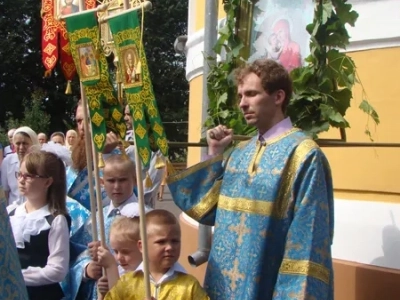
x,y
54,35
92,67
137,85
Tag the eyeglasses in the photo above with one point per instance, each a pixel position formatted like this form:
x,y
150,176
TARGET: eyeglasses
x,y
19,175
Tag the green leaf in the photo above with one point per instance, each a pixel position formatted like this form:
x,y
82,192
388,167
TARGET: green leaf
x,y
342,98
236,49
222,99
327,9
223,114
329,113
366,107
345,14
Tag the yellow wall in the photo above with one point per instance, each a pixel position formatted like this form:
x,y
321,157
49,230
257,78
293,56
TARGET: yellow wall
x,y
195,124
361,173
200,9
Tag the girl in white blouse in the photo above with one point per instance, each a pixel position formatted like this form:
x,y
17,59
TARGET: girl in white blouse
x,y
41,225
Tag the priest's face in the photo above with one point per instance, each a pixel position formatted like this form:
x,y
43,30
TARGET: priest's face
x,y
128,118
79,120
259,108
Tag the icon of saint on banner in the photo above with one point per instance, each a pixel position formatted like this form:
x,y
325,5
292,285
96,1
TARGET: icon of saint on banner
x,y
131,66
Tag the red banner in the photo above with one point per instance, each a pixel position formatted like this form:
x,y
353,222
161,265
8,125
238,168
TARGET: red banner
x,y
54,36
49,35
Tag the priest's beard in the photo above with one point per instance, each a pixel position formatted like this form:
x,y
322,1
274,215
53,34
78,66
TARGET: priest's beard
x,y
78,154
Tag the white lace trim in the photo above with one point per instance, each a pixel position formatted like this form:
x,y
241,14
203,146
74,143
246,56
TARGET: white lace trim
x,y
24,224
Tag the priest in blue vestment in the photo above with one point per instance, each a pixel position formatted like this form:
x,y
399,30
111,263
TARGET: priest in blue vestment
x,y
270,200
12,285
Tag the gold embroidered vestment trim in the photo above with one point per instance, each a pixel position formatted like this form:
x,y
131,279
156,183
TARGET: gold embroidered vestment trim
x,y
306,268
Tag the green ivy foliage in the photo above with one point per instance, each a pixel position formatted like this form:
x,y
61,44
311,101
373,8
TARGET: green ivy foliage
x,y
322,88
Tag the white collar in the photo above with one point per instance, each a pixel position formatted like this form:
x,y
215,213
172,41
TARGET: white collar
x,y
42,212
176,268
25,225
124,207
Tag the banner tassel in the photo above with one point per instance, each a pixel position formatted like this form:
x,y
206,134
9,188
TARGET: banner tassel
x,y
170,168
147,182
159,162
101,160
68,90
47,73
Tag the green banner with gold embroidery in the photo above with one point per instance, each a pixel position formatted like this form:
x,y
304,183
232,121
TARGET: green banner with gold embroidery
x,y
137,84
91,64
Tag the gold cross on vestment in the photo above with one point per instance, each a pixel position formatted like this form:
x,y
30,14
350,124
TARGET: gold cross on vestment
x,y
233,274
240,229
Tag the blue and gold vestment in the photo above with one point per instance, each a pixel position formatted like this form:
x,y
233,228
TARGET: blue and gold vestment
x,y
272,207
12,285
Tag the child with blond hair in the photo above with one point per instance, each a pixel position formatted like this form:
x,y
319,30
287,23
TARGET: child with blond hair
x,y
168,278
124,236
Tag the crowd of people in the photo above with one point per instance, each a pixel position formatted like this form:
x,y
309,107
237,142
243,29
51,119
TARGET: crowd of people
x,y
270,200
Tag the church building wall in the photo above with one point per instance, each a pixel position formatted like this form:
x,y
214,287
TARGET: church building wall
x,y
366,181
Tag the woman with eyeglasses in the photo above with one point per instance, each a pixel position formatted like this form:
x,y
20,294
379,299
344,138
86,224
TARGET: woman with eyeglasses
x,y
23,138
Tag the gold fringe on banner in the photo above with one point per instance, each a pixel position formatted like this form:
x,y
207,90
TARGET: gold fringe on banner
x,y
159,162
123,152
68,90
101,160
47,73
170,168
148,183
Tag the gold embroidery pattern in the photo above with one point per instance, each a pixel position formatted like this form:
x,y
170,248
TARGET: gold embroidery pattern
x,y
116,115
242,205
158,128
240,229
144,153
193,169
206,204
306,268
97,119
140,131
234,274
49,48
99,139
289,173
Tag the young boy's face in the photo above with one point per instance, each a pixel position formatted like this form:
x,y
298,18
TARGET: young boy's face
x,y
118,182
164,246
126,252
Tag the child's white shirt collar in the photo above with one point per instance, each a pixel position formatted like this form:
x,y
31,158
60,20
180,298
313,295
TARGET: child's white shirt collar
x,y
127,208
176,268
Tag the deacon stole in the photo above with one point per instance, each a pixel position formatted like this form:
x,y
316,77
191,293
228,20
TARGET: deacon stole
x,y
272,207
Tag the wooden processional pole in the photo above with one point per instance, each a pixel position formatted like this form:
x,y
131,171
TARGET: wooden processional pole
x,y
139,179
